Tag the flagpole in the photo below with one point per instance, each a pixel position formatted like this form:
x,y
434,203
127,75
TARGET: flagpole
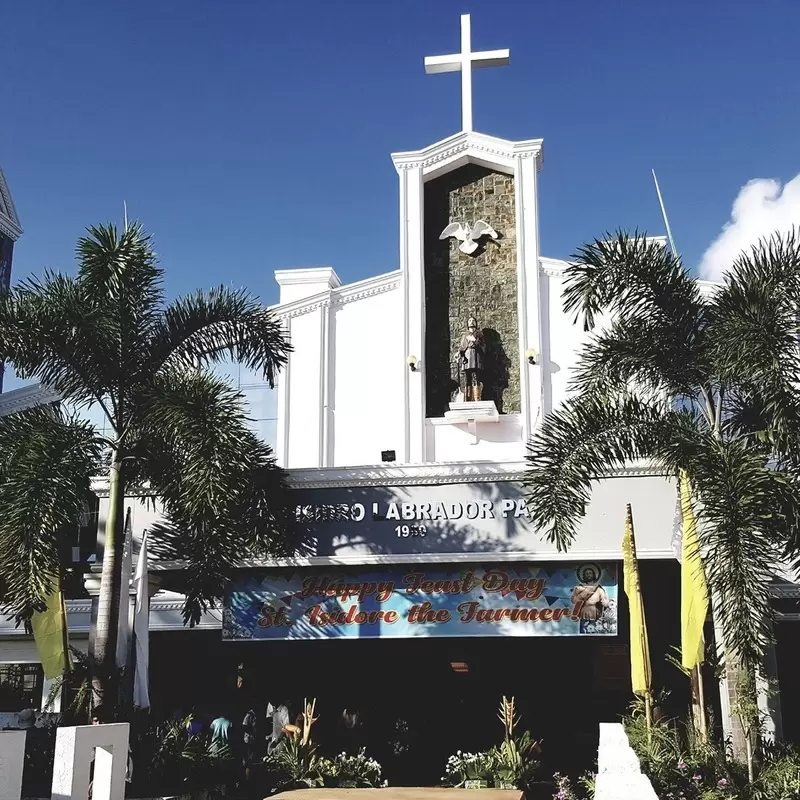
x,y
702,701
648,697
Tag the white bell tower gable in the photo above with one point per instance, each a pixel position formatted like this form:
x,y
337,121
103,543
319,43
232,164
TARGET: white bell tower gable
x,y
521,160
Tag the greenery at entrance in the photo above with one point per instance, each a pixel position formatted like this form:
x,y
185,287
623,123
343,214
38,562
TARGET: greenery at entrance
x,y
296,762
107,338
696,379
682,766
510,764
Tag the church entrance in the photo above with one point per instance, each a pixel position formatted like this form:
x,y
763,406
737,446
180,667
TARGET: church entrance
x,y
422,698
418,701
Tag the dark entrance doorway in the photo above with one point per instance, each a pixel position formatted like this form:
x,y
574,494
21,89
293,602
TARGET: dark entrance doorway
x,y
419,700
787,646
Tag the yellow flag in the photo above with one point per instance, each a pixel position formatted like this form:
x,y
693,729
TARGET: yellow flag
x,y
50,634
694,593
640,649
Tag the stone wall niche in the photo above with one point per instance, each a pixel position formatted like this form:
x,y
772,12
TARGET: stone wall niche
x,y
460,285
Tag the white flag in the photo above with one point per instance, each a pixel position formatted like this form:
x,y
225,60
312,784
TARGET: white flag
x,y
124,625
141,631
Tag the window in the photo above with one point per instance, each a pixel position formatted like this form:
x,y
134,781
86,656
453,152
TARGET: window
x,y
20,686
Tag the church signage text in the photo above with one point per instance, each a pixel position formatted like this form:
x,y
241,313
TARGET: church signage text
x,y
419,512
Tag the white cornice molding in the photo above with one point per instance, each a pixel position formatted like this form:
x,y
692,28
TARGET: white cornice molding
x,y
553,267
707,288
467,146
469,557
9,221
557,267
785,591
288,277
367,288
429,474
405,475
99,486
348,293
26,397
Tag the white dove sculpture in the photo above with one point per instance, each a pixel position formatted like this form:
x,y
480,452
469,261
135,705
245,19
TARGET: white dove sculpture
x,y
468,234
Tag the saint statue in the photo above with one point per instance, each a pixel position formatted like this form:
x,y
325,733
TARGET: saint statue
x,y
471,352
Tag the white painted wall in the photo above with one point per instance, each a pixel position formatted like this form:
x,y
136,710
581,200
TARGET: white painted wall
x,y
496,441
565,341
305,387
368,376
143,515
21,650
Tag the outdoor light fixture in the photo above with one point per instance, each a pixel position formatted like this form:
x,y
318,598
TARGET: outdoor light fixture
x,y
530,354
412,363
459,666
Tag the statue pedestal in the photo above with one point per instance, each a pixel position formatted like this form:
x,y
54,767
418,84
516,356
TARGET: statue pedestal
x,y
471,413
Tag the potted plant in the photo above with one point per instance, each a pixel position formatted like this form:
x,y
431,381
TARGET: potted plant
x,y
469,770
358,771
508,765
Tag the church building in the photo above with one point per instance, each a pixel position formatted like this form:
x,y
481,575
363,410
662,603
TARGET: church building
x,y
10,231
421,592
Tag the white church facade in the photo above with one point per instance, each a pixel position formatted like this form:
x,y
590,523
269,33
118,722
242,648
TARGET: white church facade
x,y
403,420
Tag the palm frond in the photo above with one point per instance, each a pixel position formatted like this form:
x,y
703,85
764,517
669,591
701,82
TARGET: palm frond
x,y
48,329
580,443
122,282
630,276
640,353
224,498
753,342
208,326
121,267
739,503
46,461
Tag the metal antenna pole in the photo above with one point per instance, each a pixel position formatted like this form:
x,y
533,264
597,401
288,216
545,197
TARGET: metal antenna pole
x,y
664,214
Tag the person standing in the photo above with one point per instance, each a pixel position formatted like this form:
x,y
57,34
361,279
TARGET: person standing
x,y
220,735
251,756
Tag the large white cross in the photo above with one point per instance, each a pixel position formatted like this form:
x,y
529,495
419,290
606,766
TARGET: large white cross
x,y
464,62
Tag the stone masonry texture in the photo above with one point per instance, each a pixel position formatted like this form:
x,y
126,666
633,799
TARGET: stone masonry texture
x,y
483,285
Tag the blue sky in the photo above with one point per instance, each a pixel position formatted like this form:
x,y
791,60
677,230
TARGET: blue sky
x,y
251,135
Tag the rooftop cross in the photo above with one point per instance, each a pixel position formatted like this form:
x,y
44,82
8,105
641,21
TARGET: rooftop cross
x,y
464,62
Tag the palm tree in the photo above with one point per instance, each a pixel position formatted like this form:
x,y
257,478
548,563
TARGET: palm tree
x,y
106,338
691,378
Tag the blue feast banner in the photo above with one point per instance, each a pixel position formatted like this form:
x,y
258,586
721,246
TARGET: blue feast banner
x,y
512,599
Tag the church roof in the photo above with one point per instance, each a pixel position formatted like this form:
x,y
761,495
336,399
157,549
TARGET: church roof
x,y
26,397
9,221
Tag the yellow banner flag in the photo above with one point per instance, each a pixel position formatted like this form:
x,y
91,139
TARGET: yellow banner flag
x,y
641,677
50,634
694,592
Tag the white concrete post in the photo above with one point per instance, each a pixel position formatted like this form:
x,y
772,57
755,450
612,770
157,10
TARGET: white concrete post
x,y
412,263
75,749
619,775
12,760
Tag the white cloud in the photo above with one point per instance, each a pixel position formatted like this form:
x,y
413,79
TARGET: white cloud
x,y
762,207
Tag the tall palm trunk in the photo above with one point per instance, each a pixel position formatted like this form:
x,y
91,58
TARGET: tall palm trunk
x,y
106,632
